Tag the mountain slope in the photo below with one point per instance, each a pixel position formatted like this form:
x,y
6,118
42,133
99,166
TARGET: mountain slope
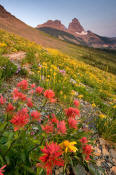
x,y
105,60
10,23
62,35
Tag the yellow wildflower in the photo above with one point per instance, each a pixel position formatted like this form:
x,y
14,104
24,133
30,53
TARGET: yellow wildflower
x,y
73,92
61,92
3,45
68,146
110,103
93,105
80,96
102,116
44,64
54,74
114,106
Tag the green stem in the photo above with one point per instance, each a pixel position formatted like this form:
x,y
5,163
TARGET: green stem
x,y
3,129
37,145
9,147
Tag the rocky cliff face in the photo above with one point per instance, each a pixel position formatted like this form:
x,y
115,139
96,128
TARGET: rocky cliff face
x,y
53,24
75,26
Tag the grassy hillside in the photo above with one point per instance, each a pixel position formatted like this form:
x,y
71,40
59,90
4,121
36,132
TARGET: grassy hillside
x,y
69,77
103,59
91,56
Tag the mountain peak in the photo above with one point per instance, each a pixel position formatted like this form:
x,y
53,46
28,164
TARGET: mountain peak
x,y
53,24
75,20
75,26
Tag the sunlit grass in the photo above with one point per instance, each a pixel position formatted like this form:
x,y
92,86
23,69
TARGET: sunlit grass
x,y
69,77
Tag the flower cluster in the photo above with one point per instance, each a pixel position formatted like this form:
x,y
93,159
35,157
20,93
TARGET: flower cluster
x,y
59,127
54,132
18,95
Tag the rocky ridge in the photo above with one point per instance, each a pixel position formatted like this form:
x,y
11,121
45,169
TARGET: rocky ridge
x,y
76,29
75,26
54,24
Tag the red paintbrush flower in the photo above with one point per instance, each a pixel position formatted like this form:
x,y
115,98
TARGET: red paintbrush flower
x,y
72,122
29,102
76,103
10,107
15,94
22,96
51,157
2,170
20,119
72,112
18,95
49,94
84,140
54,119
2,100
87,151
52,100
61,127
35,115
23,84
48,128
33,85
39,90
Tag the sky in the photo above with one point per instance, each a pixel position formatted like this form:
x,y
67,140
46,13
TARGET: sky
x,y
99,16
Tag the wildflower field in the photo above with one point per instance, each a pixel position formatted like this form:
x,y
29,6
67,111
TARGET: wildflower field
x,y
35,140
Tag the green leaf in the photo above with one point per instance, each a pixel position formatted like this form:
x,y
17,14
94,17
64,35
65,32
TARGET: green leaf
x,y
28,169
7,160
3,140
71,161
2,125
23,156
1,159
39,171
